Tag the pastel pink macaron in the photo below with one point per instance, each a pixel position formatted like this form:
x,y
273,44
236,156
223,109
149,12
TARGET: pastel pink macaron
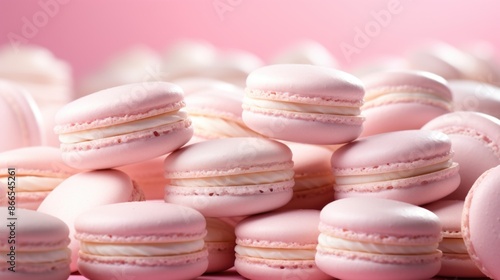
x,y
455,261
148,240
278,245
38,170
230,176
149,176
33,245
480,222
220,241
402,100
475,139
123,125
304,103
414,166
475,96
84,191
376,238
21,119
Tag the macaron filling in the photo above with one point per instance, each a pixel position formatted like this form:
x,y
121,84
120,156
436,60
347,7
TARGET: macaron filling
x,y
453,246
275,253
37,257
215,127
34,183
266,177
305,183
141,249
374,100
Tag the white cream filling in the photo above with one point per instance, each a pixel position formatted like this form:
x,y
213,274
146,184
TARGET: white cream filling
x,y
275,253
147,250
63,254
301,107
453,246
361,179
220,127
308,183
34,183
357,246
124,128
399,95
235,180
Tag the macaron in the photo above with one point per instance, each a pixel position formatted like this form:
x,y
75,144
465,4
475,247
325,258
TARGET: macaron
x,y
402,100
321,103
475,140
278,245
84,191
230,176
455,261
33,245
21,119
313,177
123,125
480,222
475,96
220,241
413,166
143,240
192,85
38,170
305,52
376,238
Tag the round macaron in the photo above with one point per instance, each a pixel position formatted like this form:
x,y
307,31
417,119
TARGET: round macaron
x,y
278,245
304,103
123,125
84,191
143,240
230,176
402,100
475,140
38,170
220,241
481,223
375,238
475,96
33,245
455,261
149,177
413,166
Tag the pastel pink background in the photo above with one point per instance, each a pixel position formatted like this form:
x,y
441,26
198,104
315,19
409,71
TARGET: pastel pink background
x,y
85,33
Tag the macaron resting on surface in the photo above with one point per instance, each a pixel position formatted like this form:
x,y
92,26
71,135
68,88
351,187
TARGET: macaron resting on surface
x,y
123,125
230,176
375,238
320,102
413,166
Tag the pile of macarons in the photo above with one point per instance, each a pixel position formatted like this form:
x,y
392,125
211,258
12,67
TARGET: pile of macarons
x,y
200,162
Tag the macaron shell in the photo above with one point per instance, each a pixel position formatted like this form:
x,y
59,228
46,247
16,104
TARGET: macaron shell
x,y
49,275
149,176
475,96
220,242
260,269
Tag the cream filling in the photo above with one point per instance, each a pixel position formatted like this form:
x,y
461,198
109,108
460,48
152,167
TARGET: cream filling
x,y
63,254
235,180
219,127
351,245
34,183
360,179
301,107
121,129
453,246
399,95
147,250
275,253
308,183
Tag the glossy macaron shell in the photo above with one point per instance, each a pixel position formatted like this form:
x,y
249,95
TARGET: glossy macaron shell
x,y
475,96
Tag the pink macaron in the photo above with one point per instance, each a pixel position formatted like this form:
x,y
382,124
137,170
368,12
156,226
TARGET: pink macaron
x,y
481,223
278,245
413,166
148,240
475,96
230,176
38,170
403,99
475,140
321,103
21,119
376,238
455,261
220,241
123,125
84,191
33,245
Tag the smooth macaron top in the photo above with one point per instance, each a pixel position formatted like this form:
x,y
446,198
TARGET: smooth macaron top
x,y
227,156
35,160
32,230
475,96
221,103
304,83
282,229
450,214
146,221
406,149
405,81
380,218
119,104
